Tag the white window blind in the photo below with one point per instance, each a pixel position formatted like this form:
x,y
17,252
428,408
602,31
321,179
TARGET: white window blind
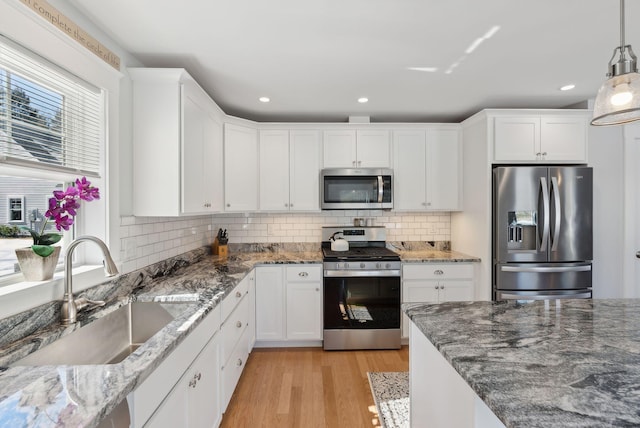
x,y
49,119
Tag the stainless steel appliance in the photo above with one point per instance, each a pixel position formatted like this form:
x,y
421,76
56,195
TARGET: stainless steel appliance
x,y
356,188
542,232
361,290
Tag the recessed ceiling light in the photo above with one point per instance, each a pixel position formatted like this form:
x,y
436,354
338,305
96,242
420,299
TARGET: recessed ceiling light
x,y
427,69
363,100
567,87
264,99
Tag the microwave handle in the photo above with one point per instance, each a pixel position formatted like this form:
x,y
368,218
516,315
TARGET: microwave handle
x,y
380,188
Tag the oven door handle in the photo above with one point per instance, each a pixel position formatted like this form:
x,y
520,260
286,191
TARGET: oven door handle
x,y
361,273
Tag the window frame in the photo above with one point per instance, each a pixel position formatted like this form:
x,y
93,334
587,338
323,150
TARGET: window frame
x,y
10,209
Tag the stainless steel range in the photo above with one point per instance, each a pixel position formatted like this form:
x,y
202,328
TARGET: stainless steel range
x,y
361,290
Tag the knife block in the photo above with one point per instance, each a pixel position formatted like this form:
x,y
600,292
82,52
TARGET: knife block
x,y
220,249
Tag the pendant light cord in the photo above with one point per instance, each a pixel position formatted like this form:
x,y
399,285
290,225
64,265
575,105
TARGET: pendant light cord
x,y
622,27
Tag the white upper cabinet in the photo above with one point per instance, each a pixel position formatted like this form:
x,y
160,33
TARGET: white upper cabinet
x,y
357,149
177,145
289,170
240,168
427,170
274,170
542,138
304,170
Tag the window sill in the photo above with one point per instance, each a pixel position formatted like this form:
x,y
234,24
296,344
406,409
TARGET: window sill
x,y
20,296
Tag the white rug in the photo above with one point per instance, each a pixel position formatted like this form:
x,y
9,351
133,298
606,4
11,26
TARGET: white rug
x,y
391,394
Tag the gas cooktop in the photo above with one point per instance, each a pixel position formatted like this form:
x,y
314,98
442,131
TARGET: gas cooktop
x,y
361,253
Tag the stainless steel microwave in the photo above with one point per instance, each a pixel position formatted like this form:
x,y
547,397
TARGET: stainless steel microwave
x,y
356,188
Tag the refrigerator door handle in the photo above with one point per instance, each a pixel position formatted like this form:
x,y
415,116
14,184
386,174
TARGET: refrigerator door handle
x,y
510,296
545,220
584,268
555,189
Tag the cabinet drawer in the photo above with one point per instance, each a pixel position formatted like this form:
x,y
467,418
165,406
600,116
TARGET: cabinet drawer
x,y
304,273
232,328
232,369
231,301
437,271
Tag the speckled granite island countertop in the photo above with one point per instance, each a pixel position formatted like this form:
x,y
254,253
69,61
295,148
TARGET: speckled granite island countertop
x,y
576,364
80,396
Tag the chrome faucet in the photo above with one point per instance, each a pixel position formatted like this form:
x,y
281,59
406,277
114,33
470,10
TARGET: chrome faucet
x,y
69,304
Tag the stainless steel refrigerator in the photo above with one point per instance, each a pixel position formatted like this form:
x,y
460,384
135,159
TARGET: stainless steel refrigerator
x,y
542,232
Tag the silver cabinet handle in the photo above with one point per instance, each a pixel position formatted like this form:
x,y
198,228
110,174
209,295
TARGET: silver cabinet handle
x,y
438,272
239,324
239,362
303,274
238,294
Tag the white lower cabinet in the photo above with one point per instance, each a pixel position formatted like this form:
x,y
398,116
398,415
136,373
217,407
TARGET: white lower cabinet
x,y
194,401
193,385
289,303
184,389
435,283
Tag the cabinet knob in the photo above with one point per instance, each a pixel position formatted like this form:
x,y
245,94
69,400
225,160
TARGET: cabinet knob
x,y
290,205
437,287
442,287
228,205
239,324
359,163
428,204
353,163
438,272
239,362
544,153
317,289
286,205
303,274
238,294
424,204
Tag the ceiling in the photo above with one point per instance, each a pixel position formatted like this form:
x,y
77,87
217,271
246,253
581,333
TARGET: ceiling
x,y
315,59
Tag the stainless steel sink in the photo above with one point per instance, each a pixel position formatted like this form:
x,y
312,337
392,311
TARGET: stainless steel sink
x,y
107,340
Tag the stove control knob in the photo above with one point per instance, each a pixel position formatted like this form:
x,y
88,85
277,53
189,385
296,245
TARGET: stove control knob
x,y
346,265
388,266
378,265
362,265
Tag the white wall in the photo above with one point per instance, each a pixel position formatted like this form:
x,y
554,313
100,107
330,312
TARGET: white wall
x,y
606,156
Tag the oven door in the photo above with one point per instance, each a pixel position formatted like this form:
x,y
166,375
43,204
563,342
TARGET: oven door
x,y
359,303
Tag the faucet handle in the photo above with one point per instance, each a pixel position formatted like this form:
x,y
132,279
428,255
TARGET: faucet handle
x,y
83,302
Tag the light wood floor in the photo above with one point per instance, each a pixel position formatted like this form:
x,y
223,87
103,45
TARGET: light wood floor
x,y
309,387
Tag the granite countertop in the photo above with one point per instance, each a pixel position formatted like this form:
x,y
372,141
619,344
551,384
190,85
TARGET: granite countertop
x,y
542,364
82,395
424,252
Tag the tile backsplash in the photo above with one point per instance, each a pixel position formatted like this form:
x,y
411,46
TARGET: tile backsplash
x,y
147,240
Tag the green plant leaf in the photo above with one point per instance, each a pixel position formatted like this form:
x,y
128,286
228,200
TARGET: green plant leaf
x,y
35,236
49,238
42,250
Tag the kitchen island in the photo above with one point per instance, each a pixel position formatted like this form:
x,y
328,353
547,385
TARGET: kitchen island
x,y
569,363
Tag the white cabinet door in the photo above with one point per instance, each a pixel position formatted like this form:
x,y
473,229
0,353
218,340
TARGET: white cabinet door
x,y
304,170
174,411
373,149
444,181
409,172
193,142
274,170
304,311
204,388
516,138
339,148
241,168
270,311
214,165
420,291
564,139
456,291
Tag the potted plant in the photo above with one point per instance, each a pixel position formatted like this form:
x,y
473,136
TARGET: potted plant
x,y
38,262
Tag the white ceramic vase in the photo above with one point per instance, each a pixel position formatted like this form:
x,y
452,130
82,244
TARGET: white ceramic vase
x,y
36,268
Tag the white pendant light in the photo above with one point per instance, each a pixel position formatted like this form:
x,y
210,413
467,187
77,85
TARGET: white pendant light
x,y
618,99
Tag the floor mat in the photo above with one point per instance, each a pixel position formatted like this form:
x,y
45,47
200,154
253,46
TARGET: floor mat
x,y
391,393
